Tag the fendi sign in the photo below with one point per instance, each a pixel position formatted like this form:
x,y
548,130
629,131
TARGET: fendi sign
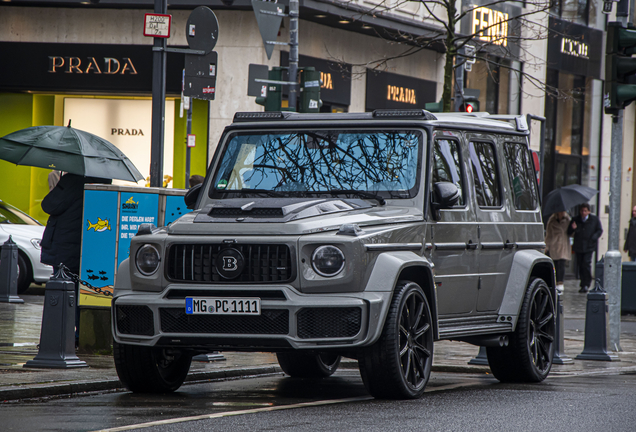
x,y
85,68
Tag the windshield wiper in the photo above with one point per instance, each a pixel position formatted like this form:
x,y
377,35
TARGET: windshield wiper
x,y
363,194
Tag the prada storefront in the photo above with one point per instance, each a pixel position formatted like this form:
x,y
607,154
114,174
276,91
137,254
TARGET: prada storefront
x,y
574,61
335,86
387,90
100,88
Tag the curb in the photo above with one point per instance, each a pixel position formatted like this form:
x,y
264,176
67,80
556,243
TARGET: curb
x,y
59,389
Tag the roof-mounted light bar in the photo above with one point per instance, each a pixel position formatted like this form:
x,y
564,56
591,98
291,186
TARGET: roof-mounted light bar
x,y
259,115
404,113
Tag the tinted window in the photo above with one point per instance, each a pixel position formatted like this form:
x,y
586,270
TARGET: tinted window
x,y
521,176
300,163
447,165
486,176
11,215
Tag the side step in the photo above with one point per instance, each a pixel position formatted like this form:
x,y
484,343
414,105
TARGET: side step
x,y
453,328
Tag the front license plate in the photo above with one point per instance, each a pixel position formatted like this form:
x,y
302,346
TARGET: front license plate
x,y
223,306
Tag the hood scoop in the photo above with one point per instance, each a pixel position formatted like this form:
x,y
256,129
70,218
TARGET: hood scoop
x,y
275,210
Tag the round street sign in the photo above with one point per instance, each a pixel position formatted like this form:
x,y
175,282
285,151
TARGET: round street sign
x,y
202,29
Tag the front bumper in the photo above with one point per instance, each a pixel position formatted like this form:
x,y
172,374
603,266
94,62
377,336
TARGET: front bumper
x,y
289,319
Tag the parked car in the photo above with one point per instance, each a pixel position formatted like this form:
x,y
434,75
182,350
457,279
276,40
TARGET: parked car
x,y
26,232
365,235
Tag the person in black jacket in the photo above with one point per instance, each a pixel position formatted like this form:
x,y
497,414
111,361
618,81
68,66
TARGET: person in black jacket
x,y
630,240
61,241
586,229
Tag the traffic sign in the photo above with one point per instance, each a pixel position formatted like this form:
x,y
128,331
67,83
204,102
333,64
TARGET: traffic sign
x,y
202,29
200,75
255,88
269,17
157,25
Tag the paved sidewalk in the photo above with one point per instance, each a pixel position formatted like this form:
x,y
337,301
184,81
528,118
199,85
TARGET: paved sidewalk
x,y
20,332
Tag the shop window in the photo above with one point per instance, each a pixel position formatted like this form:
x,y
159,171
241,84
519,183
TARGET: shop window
x,y
447,165
485,174
493,79
521,174
576,11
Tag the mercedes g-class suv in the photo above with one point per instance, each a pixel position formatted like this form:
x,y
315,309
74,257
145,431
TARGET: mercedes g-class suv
x,y
363,235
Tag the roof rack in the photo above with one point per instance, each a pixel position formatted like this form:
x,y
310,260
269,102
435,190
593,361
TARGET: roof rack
x,y
520,122
405,113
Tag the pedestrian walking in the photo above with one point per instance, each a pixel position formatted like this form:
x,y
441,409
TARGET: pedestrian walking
x,y
586,229
61,241
630,240
558,245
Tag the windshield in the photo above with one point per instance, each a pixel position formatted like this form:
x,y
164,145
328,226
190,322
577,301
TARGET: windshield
x,y
11,215
302,163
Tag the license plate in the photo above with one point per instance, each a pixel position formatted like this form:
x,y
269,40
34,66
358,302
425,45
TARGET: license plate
x,y
223,306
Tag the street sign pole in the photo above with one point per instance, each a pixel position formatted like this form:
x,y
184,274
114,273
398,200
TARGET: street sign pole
x,y
158,102
188,133
293,53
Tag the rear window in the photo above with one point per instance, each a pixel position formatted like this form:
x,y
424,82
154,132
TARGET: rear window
x,y
521,174
11,215
486,175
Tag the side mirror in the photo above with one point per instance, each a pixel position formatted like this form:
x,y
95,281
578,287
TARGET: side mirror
x,y
192,196
445,195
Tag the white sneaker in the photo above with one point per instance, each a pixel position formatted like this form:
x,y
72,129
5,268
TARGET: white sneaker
x,y
560,289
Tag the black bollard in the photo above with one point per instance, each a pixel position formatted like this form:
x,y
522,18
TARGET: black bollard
x,y
57,338
596,325
481,359
560,357
9,273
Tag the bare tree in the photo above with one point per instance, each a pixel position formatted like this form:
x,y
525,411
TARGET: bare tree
x,y
501,36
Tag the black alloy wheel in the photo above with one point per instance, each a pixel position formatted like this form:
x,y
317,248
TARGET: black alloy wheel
x,y
528,358
398,366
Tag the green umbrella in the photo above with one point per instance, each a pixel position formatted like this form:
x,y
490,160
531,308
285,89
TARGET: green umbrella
x,y
67,149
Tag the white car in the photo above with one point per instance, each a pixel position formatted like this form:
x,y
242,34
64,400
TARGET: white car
x,y
26,232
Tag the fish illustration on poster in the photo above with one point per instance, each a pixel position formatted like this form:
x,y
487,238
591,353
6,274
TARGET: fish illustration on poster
x,y
175,208
135,209
99,238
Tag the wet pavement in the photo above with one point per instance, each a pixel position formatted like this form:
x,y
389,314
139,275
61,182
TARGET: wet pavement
x,y
20,333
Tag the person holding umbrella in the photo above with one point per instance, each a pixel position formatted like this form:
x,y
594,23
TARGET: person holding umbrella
x,y
558,246
586,229
630,240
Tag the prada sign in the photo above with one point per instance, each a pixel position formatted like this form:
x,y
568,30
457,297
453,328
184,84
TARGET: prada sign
x,y
575,49
94,68
335,87
392,91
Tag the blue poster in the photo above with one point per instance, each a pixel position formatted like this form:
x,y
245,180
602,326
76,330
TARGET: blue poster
x,y
175,208
135,209
99,238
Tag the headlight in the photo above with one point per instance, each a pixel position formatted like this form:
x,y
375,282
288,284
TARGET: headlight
x,y
36,243
147,259
328,261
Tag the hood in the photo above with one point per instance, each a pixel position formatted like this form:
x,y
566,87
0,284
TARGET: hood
x,y
290,216
26,231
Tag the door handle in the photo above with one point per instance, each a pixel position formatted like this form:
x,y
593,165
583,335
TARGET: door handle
x,y
471,245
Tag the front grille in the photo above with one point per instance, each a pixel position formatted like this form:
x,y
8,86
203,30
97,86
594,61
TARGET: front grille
x,y
264,263
228,212
271,321
135,320
329,322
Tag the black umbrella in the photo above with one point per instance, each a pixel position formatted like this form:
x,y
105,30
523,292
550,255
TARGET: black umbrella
x,y
566,197
67,149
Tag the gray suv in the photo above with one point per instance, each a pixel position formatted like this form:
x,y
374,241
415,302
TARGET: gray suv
x,y
363,235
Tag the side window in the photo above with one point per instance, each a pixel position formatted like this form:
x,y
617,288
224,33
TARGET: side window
x,y
447,165
486,176
521,175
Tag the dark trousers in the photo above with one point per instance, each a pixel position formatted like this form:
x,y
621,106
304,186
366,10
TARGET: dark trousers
x,y
584,263
559,268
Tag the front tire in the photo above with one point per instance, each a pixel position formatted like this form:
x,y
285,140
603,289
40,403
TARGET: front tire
x,y
151,370
25,274
398,365
308,365
528,357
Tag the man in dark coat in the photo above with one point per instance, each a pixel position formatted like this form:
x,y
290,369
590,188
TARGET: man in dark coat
x,y
62,238
630,240
586,229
